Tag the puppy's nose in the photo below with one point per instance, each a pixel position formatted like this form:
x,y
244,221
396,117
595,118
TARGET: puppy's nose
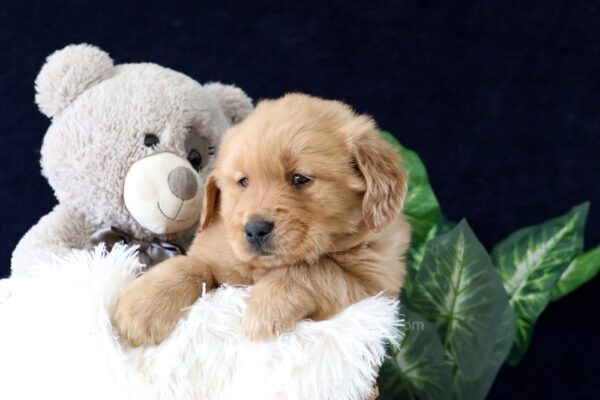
x,y
182,183
258,232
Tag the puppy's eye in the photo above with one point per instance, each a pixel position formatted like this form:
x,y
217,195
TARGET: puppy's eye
x,y
243,182
195,158
299,180
151,140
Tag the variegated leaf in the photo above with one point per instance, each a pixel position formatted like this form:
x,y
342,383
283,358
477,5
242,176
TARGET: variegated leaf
x,y
421,210
459,291
421,207
419,369
416,252
579,271
479,387
530,262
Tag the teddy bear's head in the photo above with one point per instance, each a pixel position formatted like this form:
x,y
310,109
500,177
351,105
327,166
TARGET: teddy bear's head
x,y
130,145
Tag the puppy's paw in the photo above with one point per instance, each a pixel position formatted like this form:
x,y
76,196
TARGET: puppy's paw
x,y
148,310
141,317
265,321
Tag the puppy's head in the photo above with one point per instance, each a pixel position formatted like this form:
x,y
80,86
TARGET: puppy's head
x,y
301,177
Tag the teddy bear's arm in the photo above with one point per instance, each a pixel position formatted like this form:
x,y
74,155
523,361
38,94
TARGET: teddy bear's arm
x,y
55,234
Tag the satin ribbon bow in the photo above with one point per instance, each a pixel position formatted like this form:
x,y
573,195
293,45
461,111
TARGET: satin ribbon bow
x,y
150,252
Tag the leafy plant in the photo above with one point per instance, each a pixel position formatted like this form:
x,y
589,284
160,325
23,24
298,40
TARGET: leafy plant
x,y
419,369
421,207
531,261
468,312
579,271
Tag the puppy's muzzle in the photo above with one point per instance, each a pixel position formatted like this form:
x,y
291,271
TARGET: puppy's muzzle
x,y
258,234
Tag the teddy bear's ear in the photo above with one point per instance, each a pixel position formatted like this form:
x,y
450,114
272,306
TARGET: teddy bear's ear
x,y
235,103
67,73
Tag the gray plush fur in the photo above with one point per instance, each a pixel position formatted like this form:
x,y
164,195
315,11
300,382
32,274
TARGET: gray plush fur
x,y
100,114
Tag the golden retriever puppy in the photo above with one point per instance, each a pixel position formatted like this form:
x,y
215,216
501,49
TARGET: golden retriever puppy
x,y
304,204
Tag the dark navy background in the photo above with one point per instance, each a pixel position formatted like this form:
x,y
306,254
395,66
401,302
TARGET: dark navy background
x,y
501,101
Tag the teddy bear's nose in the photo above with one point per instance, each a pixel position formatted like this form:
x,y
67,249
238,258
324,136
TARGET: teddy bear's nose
x,y
182,182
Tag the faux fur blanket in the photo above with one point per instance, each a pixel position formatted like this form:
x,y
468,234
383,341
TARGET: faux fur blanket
x,y
57,342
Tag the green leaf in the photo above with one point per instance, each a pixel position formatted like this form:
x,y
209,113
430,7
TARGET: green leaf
x,y
418,370
416,252
579,271
530,262
421,210
479,387
459,291
421,207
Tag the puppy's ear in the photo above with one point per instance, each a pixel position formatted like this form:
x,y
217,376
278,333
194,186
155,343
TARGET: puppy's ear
x,y
210,202
385,181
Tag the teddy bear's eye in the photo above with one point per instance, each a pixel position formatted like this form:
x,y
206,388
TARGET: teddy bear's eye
x,y
195,158
151,140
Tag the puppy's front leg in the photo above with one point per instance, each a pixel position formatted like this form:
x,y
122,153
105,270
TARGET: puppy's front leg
x,y
275,304
148,310
287,295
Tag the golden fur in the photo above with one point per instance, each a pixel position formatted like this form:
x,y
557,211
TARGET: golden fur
x,y
336,240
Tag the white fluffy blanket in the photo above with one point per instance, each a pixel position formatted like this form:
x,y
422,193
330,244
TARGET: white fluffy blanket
x,y
56,342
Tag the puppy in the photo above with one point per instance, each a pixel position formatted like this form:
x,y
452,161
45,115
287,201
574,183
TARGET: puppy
x,y
304,204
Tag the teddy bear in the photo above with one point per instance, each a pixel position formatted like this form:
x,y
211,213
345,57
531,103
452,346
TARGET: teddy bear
x,y
127,152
